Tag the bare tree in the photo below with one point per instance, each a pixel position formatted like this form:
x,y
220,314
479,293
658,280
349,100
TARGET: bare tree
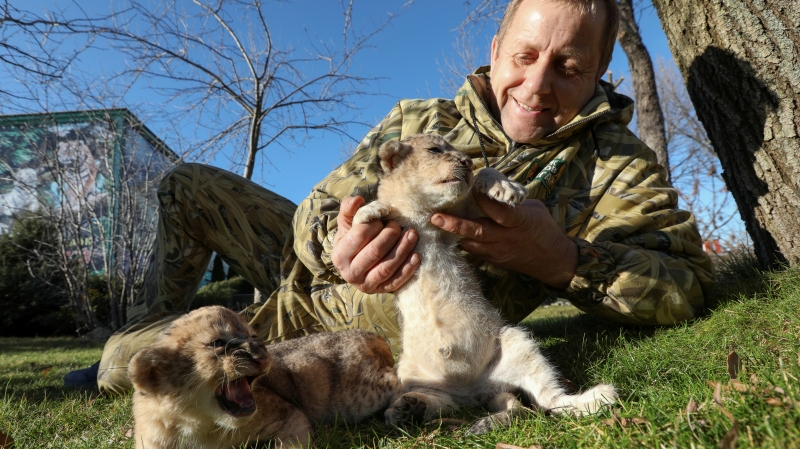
x,y
92,176
211,55
649,116
35,44
739,61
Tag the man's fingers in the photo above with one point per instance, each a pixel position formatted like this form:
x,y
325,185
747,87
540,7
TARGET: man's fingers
x,y
503,214
401,276
374,252
347,210
470,229
397,266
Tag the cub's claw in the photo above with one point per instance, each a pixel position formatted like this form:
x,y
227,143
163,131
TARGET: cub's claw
x,y
407,409
372,211
495,185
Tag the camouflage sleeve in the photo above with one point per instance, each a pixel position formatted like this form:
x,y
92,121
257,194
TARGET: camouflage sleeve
x,y
315,219
640,258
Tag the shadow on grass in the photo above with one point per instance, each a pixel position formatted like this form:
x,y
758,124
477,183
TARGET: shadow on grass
x,y
575,344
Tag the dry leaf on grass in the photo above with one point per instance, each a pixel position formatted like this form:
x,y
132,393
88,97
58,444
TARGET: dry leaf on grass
x,y
691,407
511,446
734,365
623,422
775,402
6,442
729,440
129,432
46,370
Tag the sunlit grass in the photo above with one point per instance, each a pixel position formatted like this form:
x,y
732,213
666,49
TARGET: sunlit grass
x,y
666,377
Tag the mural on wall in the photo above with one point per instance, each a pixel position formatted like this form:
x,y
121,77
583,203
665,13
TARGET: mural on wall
x,y
69,170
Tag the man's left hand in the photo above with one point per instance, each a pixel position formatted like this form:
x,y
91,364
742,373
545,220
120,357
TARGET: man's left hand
x,y
522,238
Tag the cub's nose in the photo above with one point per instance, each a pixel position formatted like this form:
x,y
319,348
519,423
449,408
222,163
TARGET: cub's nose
x,y
467,162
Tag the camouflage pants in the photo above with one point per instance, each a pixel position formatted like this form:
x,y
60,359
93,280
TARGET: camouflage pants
x,y
203,210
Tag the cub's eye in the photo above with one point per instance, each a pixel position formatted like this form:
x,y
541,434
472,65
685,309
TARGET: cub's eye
x,y
434,150
218,343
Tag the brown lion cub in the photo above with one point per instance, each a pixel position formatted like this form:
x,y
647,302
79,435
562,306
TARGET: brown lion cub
x,y
456,348
207,382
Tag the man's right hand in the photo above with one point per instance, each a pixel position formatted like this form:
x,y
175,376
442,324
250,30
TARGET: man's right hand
x,y
373,257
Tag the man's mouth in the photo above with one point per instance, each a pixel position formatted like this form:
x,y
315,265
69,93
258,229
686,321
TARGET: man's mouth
x,y
236,398
529,108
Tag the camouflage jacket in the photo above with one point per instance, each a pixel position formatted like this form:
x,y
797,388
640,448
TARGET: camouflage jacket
x,y
641,260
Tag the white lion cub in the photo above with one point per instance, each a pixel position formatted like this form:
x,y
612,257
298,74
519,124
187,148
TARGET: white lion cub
x,y
456,348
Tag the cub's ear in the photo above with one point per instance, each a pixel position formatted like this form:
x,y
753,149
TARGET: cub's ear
x,y
392,153
150,368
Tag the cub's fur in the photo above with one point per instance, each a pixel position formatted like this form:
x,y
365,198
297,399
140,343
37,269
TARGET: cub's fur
x,y
456,348
207,382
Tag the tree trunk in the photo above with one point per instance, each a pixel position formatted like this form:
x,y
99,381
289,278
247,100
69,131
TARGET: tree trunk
x,y
649,117
741,64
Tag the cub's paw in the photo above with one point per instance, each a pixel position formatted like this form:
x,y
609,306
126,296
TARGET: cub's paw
x,y
372,211
409,408
589,402
496,186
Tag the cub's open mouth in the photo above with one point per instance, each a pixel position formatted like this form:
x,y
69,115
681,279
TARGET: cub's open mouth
x,y
235,397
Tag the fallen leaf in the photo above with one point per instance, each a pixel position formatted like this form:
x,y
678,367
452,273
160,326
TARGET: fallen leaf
x,y
729,440
779,390
691,407
754,379
511,446
90,401
739,386
46,370
718,393
734,365
6,442
129,432
798,359
775,402
639,421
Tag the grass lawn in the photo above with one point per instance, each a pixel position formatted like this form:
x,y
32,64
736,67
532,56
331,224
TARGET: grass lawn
x,y
676,390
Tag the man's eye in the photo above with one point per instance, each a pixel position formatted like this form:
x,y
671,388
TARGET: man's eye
x,y
524,59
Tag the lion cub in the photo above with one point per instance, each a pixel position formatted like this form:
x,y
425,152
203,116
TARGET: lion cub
x,y
456,348
206,382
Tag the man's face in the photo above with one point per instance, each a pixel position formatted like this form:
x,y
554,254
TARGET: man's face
x,y
546,69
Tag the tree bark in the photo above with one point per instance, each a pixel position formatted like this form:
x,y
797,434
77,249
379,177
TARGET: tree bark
x,y
741,64
649,117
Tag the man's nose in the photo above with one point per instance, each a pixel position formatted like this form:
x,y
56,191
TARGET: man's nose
x,y
539,77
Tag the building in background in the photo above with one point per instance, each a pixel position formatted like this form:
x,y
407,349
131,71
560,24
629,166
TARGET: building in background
x,y
94,172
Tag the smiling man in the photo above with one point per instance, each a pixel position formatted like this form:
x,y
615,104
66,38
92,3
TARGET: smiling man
x,y
601,226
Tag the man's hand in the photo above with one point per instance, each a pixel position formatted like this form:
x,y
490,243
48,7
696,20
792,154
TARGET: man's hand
x,y
373,257
522,238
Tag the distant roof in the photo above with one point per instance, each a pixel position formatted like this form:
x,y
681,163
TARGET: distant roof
x,y
88,116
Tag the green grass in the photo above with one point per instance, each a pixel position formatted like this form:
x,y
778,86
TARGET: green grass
x,y
658,372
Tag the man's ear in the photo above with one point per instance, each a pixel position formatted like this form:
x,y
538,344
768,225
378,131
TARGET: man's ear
x,y
392,153
147,369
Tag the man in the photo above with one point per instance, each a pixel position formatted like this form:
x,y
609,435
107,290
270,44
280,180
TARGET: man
x,y
600,227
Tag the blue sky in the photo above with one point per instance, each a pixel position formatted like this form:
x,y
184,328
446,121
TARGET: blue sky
x,y
407,57
409,54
